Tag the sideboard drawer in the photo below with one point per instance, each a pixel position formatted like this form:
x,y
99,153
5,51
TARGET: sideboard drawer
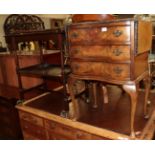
x,y
57,136
110,53
31,118
34,130
105,70
100,34
28,136
60,129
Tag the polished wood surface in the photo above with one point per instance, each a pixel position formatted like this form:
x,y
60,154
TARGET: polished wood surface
x,y
91,17
113,66
107,121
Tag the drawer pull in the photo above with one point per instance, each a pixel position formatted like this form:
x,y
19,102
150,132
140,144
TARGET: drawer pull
x,y
79,135
117,52
76,50
74,35
118,70
117,33
30,119
52,125
65,129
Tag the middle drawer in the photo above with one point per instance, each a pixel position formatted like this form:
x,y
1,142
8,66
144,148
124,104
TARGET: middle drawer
x,y
110,53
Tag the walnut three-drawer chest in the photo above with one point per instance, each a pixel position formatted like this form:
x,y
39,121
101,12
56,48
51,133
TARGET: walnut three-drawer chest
x,y
113,52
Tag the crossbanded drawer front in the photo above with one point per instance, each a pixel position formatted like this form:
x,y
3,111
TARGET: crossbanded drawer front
x,y
60,129
102,35
31,118
107,70
28,136
34,130
57,136
108,53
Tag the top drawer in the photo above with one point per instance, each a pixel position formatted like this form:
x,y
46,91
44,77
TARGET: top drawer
x,y
101,35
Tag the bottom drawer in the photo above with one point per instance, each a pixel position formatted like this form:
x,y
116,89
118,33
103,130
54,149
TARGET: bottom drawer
x,y
56,136
101,69
57,131
28,136
34,130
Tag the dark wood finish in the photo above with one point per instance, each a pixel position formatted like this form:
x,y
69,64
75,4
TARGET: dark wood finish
x,y
117,54
40,36
9,120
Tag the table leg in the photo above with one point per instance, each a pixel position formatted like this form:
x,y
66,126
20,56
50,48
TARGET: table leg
x,y
94,84
147,90
133,92
105,94
74,108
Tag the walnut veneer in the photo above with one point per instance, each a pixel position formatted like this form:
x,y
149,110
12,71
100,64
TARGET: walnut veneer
x,y
114,52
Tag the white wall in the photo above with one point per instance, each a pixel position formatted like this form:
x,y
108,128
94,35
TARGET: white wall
x,y
2,20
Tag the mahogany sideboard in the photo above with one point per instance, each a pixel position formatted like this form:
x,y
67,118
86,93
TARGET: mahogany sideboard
x,y
40,119
114,52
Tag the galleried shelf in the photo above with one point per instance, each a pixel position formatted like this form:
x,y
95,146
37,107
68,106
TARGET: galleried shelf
x,y
36,42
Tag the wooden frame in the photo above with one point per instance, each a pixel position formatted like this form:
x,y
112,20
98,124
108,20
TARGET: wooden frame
x,y
57,23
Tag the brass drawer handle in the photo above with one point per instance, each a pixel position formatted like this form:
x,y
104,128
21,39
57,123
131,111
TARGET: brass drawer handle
x,y
76,50
117,52
65,129
117,33
29,118
79,135
118,70
52,125
74,35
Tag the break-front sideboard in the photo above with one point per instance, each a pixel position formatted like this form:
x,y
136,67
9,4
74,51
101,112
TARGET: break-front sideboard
x,y
114,52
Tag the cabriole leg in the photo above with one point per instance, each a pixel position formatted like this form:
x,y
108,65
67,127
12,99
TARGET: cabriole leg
x,y
147,90
74,108
133,92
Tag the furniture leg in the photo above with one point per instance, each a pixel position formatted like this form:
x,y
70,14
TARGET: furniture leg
x,y
133,92
94,84
74,110
105,94
88,88
147,90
